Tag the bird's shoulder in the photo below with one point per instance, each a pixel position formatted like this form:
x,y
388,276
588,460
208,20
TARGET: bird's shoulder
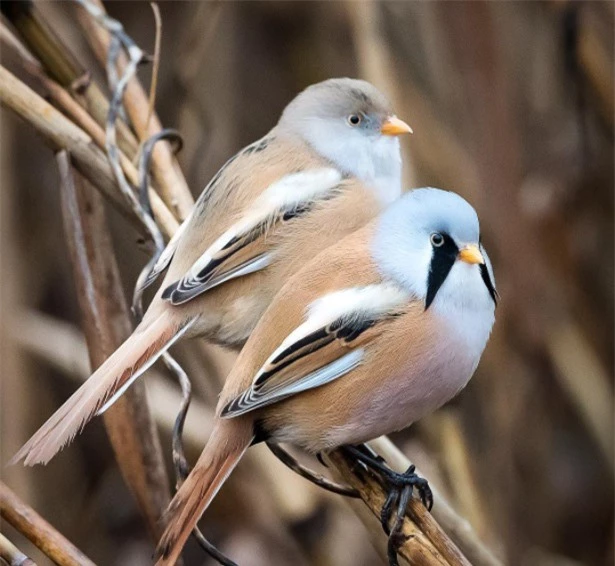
x,y
334,273
255,167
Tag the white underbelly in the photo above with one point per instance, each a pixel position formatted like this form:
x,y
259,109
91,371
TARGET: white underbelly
x,y
404,399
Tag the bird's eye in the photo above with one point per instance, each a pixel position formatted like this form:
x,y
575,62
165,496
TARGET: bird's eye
x,y
354,119
436,239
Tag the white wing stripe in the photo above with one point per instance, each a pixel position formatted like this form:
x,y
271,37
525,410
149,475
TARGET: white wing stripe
x,y
290,190
251,400
370,300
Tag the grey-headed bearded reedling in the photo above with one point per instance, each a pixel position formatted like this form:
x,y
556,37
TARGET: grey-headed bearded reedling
x,y
374,333
326,169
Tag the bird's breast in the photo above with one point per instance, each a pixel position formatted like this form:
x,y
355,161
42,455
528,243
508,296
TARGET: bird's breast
x,y
410,371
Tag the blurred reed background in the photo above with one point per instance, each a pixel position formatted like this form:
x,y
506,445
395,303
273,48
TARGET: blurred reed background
x,y
512,106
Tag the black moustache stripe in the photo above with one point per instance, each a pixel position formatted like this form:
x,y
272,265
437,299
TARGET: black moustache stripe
x,y
484,273
442,261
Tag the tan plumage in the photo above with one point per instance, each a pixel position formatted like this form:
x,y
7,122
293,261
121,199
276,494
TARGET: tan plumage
x,y
148,338
229,441
271,208
347,351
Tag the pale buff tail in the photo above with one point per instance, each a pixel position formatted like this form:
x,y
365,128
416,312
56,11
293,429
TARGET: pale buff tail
x,y
227,444
145,345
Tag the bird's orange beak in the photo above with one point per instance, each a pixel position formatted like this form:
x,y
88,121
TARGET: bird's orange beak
x,y
393,126
471,254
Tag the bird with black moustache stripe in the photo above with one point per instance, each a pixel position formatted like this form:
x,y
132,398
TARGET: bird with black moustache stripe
x,y
369,337
329,166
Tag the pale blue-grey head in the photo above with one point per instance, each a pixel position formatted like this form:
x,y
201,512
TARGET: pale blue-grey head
x,y
429,242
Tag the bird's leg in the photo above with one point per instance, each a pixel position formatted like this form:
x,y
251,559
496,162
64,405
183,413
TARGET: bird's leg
x,y
400,487
310,475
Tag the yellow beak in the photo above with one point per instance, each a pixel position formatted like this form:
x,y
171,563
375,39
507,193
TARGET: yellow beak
x,y
471,254
393,126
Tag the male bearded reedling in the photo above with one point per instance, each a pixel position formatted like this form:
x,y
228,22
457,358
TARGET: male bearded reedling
x,y
329,166
373,334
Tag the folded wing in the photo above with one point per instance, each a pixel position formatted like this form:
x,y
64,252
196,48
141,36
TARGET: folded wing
x,y
330,343
243,248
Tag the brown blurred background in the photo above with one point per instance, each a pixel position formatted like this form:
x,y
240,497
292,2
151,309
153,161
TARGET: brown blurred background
x,y
512,106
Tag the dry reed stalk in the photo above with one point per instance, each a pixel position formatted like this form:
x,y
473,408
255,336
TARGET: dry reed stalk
x,y
586,382
456,455
30,524
426,542
167,174
60,133
456,526
11,555
71,108
106,323
62,66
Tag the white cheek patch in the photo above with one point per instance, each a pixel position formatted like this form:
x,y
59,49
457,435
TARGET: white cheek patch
x,y
375,160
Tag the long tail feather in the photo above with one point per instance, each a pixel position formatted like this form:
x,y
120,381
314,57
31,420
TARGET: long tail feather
x,y
145,345
227,444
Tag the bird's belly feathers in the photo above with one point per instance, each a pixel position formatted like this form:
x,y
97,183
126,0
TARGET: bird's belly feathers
x,y
390,391
396,405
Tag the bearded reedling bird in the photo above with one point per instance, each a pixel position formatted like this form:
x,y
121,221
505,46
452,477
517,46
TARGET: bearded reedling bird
x,y
328,167
371,335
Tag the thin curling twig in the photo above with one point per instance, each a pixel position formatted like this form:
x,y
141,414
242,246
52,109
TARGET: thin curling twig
x,y
114,27
136,57
145,204
70,107
169,179
180,463
308,474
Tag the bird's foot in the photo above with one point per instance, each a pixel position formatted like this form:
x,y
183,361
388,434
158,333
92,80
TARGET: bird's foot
x,y
400,487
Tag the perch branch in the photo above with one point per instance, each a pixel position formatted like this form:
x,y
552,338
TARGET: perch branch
x,y
425,544
168,177
30,524
106,324
457,527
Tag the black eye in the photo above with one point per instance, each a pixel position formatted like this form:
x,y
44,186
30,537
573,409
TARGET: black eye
x,y
436,239
354,119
